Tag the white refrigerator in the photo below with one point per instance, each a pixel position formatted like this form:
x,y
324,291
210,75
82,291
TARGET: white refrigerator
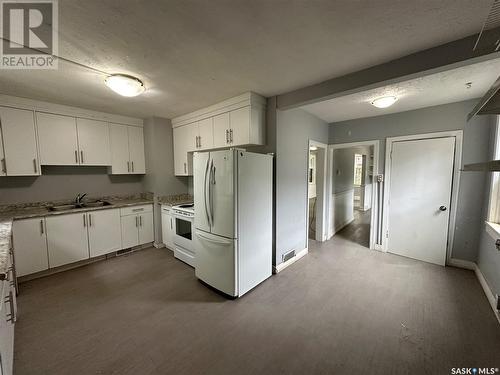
x,y
233,219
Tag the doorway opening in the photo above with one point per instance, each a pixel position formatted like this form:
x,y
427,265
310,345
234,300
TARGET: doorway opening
x,y
354,214
316,191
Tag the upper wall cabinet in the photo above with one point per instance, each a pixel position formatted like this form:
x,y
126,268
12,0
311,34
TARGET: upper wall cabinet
x,y
93,142
239,121
127,149
58,140
18,148
66,140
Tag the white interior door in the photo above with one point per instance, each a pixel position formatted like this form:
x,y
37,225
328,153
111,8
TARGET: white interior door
x,y
420,196
200,185
222,193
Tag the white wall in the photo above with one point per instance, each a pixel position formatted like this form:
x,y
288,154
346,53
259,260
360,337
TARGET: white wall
x,y
434,119
295,128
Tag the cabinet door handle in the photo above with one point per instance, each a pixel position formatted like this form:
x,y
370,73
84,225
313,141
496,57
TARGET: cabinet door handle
x,y
41,226
171,227
227,136
136,222
4,166
132,166
90,220
185,170
196,142
76,156
199,139
81,154
35,166
231,135
12,315
137,209
84,220
140,220
128,166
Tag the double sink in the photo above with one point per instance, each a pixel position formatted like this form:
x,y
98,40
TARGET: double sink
x,y
67,207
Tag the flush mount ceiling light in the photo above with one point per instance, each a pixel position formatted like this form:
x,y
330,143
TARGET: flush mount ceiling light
x,y
384,102
125,85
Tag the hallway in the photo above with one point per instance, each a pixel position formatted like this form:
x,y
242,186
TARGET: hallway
x,y
359,230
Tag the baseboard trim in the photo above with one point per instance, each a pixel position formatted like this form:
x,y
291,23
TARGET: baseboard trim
x,y
468,265
459,263
487,291
336,230
280,267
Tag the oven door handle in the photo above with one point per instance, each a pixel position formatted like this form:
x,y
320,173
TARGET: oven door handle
x,y
205,192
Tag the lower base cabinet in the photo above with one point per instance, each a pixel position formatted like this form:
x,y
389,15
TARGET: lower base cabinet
x,y
104,232
30,244
167,227
137,225
57,240
8,314
67,238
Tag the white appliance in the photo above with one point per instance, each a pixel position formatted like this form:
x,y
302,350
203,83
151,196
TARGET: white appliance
x,y
183,217
233,219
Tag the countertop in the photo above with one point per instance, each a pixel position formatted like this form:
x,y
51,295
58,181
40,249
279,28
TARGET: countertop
x,y
26,211
173,200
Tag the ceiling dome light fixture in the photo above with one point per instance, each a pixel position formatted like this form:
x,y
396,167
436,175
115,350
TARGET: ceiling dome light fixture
x,y
384,102
125,85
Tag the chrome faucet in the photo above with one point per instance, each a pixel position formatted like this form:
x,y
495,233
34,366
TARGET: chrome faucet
x,y
78,199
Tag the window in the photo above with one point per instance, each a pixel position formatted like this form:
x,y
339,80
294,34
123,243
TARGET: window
x,y
494,206
358,169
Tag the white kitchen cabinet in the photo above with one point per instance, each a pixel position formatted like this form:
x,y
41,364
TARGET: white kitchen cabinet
x,y
130,231
30,246
67,239
120,158
183,143
137,225
246,126
136,150
8,317
127,149
104,231
57,138
167,227
205,134
19,156
93,142
146,230
221,130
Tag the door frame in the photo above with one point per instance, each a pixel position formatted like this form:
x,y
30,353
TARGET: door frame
x,y
374,221
326,202
455,186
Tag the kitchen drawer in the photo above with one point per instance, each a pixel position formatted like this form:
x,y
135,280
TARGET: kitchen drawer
x,y
166,208
133,210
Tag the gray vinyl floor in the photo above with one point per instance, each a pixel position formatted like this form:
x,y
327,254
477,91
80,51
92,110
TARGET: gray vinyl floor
x,y
342,309
359,230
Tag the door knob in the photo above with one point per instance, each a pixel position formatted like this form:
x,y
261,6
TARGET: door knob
x,y
442,208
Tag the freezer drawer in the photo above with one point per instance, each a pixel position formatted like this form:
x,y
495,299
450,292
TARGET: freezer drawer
x,y
216,259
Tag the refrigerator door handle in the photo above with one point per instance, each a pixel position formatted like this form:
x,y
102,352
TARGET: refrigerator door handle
x,y
213,240
210,192
206,199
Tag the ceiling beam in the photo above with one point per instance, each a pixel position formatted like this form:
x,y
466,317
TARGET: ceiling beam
x,y
433,60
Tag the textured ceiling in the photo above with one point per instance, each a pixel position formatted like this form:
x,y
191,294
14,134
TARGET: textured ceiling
x,y
441,88
193,53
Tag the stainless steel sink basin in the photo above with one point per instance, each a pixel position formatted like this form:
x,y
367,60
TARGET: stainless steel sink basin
x,y
63,207
67,207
